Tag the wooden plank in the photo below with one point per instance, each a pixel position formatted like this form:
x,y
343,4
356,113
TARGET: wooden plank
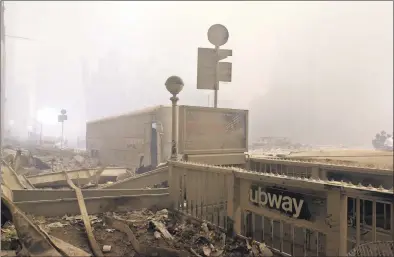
x,y
85,217
122,227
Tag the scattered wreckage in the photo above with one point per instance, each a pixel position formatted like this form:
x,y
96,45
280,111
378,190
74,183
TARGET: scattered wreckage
x,y
110,220
94,219
136,233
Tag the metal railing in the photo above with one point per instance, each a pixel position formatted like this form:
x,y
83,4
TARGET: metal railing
x,y
336,213
378,249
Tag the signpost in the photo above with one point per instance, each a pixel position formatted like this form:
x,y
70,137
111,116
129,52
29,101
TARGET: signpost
x,y
61,118
210,71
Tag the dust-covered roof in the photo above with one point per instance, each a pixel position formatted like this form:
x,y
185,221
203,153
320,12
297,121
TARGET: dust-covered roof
x,y
137,112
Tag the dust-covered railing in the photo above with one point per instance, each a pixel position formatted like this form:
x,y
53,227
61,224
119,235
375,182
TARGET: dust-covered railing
x,y
355,173
200,192
292,215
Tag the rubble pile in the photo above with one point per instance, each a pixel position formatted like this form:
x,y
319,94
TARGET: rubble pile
x,y
149,233
272,146
9,237
34,162
71,163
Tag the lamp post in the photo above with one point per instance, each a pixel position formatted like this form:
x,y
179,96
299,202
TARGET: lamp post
x,y
61,118
174,85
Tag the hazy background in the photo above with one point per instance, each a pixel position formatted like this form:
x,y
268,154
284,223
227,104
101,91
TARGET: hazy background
x,y
317,72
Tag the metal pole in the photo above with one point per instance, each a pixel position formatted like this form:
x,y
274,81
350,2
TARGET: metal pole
x,y
40,133
61,142
174,151
2,86
216,86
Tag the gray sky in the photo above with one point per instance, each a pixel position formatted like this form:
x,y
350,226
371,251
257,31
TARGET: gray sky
x,y
319,72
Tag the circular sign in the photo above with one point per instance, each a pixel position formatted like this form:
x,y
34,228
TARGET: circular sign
x,y
63,111
218,35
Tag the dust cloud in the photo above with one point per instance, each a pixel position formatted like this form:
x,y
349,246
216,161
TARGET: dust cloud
x,y
317,72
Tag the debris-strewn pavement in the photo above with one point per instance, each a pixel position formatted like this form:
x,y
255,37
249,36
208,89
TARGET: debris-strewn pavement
x,y
157,233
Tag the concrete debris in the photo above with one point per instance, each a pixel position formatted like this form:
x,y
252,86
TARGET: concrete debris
x,y
277,145
106,248
152,233
157,234
56,225
78,219
161,228
162,214
7,253
79,159
9,238
34,162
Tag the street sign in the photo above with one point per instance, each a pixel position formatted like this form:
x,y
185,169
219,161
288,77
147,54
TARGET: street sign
x,y
208,64
224,71
61,117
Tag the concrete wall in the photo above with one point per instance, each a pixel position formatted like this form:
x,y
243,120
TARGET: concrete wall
x,y
204,130
147,179
45,195
122,140
97,205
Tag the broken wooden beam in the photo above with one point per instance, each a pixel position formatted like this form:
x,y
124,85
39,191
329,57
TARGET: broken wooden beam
x,y
85,217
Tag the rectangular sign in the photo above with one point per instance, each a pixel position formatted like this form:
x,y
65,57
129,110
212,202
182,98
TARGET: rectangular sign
x,y
212,130
292,204
224,71
208,64
61,118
